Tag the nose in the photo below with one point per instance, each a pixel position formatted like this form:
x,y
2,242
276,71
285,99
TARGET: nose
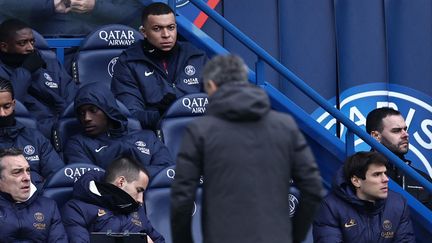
x,y
87,116
140,198
3,112
26,176
165,33
385,178
29,46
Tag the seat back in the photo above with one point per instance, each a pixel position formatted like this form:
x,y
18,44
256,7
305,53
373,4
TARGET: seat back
x,y
68,125
178,116
157,201
23,116
42,45
98,53
59,186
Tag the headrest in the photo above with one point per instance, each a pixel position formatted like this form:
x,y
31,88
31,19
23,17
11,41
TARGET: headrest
x,y
21,110
188,105
40,43
114,36
68,175
164,178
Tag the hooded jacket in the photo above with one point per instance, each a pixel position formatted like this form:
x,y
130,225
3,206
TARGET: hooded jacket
x,y
343,217
46,92
37,149
143,145
95,209
35,220
247,154
141,82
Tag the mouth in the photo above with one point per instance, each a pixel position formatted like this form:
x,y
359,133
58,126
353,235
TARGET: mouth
x,y
89,128
384,189
26,188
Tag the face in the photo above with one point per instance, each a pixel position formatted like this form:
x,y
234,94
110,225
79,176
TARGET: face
x,y
394,134
7,104
93,119
15,177
374,186
161,31
21,43
136,188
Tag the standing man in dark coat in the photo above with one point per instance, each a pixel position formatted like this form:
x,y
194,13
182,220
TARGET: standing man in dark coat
x,y
247,154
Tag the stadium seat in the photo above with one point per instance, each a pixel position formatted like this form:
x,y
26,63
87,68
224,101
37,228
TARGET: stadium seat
x,y
60,185
176,118
99,51
68,125
157,201
42,45
23,116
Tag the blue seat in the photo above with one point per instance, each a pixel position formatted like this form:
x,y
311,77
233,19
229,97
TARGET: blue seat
x,y
68,125
59,186
42,45
23,116
157,202
99,51
178,116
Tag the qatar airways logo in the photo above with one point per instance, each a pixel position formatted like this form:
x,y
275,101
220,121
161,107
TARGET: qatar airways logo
x,y
195,105
415,107
117,37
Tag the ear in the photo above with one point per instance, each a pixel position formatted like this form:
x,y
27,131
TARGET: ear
x,y
356,181
142,30
376,135
210,87
3,46
13,104
120,181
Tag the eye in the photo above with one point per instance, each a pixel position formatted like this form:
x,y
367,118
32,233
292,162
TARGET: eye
x,y
156,28
172,27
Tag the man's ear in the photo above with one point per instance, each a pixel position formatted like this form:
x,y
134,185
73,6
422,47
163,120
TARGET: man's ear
x,y
120,181
355,181
3,46
376,135
142,30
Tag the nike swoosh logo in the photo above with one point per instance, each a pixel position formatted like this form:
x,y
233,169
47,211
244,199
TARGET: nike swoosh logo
x,y
148,73
99,149
350,225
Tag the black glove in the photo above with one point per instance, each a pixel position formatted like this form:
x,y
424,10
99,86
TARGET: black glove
x,y
33,62
165,102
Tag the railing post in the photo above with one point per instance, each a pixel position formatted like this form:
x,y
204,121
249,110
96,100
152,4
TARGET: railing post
x,y
259,72
349,143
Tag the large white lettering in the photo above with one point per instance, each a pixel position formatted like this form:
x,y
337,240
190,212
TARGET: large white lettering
x,y
425,128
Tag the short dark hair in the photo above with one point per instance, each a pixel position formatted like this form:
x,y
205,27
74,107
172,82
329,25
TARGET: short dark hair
x,y
156,8
9,27
6,86
225,69
374,118
358,164
8,152
124,166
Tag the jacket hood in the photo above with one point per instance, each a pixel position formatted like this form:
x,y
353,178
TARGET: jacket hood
x,y
239,101
12,131
344,190
100,95
90,188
